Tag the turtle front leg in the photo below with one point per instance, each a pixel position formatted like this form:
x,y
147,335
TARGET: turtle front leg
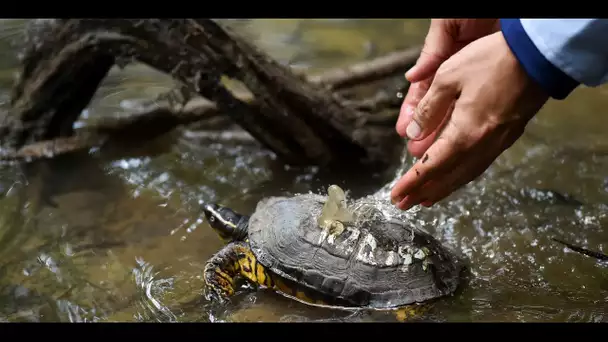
x,y
409,312
233,261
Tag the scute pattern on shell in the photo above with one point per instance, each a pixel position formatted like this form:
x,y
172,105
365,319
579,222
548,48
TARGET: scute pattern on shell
x,y
369,266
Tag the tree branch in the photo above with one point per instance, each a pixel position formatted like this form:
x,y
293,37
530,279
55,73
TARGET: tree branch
x,y
298,119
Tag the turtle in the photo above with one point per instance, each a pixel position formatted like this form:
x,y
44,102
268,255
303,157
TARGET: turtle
x,y
314,249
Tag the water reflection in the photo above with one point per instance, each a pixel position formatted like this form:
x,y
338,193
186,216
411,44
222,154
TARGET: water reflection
x,y
118,235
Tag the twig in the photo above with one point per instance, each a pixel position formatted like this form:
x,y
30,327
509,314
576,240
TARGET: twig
x,y
596,255
224,136
368,71
51,148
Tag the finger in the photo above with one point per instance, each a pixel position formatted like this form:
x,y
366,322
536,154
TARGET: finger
x,y
418,147
425,66
432,109
458,136
436,190
414,94
427,204
436,161
454,142
437,45
474,163
416,197
465,176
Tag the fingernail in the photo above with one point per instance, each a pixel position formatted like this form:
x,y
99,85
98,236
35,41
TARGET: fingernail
x,y
408,112
413,130
397,199
405,204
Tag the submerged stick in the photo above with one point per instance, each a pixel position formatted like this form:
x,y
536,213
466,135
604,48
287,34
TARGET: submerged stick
x,y
587,252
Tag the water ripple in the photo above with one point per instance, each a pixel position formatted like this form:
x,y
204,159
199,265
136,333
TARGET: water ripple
x,y
152,291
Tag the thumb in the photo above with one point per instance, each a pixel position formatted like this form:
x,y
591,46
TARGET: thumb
x,y
431,111
438,45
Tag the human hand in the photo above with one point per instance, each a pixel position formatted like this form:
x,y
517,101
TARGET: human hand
x,y
492,98
445,38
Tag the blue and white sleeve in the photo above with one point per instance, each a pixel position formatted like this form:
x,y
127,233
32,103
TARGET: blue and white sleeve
x,y
560,54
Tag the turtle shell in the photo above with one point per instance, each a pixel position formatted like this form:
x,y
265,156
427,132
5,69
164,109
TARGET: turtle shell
x,y
379,264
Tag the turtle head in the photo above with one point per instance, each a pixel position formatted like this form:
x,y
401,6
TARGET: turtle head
x,y
229,225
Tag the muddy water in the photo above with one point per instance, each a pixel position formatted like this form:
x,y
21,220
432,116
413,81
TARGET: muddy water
x,y
120,237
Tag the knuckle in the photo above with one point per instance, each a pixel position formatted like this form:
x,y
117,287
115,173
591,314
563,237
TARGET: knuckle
x,y
441,85
422,111
443,72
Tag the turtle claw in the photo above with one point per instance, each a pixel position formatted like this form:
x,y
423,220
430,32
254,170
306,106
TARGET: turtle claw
x,y
216,295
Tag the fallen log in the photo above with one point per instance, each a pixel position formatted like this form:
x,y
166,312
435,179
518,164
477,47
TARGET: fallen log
x,y
199,108
156,120
302,122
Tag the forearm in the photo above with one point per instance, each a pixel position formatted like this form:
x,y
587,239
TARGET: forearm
x,y
560,54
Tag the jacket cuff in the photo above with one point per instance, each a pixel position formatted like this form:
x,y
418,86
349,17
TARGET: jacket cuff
x,y
555,82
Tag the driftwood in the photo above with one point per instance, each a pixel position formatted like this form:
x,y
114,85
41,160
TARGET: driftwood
x,y
304,120
362,73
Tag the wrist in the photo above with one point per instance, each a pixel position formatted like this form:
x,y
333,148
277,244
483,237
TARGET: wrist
x,y
551,79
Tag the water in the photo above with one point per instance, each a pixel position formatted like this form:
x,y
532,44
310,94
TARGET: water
x,y
120,236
